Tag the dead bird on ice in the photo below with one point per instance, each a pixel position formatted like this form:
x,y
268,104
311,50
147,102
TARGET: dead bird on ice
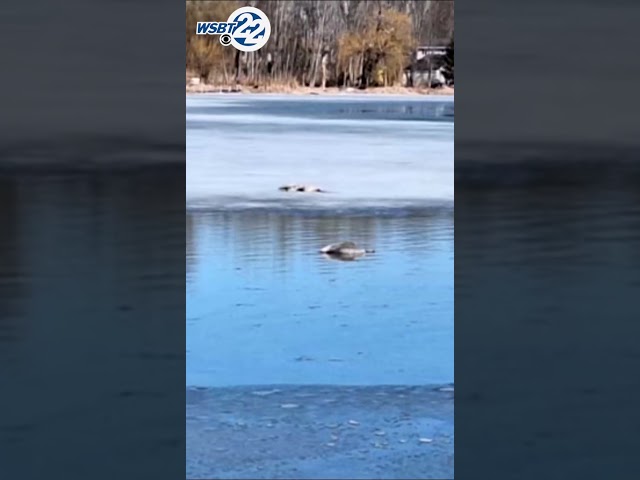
x,y
301,188
345,251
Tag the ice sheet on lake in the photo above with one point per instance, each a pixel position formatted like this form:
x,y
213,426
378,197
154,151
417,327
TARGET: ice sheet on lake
x,y
241,149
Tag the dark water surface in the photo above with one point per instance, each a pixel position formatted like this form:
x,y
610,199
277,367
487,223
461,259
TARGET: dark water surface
x,y
547,267
342,107
90,269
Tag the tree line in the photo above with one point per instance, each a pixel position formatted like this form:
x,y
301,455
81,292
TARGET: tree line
x,y
353,43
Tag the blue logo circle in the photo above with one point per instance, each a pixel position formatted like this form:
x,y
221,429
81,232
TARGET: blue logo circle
x,y
252,29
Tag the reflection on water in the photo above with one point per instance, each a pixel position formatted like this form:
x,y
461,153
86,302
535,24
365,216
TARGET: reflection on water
x,y
91,275
264,306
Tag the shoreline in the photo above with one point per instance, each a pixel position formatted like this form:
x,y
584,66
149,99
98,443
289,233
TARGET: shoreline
x,y
287,90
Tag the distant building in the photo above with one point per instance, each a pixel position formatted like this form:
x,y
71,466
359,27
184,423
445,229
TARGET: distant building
x,y
425,52
427,67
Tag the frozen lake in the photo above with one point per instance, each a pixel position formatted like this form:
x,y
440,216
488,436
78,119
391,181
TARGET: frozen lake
x,y
263,307
365,151
286,349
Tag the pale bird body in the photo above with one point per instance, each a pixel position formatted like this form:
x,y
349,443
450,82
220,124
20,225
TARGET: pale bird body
x,y
345,250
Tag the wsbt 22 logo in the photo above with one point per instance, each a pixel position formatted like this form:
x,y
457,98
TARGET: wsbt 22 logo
x,y
247,29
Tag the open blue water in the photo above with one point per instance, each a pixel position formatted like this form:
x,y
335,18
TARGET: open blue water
x,y
263,306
